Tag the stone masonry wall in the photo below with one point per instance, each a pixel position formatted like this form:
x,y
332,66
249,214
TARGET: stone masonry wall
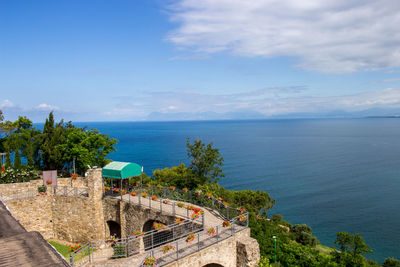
x,y
74,219
35,214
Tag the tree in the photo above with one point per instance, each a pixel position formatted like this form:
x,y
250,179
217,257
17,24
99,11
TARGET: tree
x,y
391,262
352,248
302,234
206,161
178,176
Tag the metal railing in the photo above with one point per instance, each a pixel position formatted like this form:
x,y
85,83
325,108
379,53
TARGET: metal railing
x,y
191,244
71,191
114,248
217,206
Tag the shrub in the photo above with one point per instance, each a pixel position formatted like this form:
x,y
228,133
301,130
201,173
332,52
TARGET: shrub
x,y
276,218
391,262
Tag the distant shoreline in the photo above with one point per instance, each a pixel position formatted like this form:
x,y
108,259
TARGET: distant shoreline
x,y
385,117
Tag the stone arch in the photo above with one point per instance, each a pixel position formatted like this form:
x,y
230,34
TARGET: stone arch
x,y
157,238
114,228
213,265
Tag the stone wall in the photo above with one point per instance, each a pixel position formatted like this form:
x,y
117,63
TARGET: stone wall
x,y
12,189
69,218
35,214
239,250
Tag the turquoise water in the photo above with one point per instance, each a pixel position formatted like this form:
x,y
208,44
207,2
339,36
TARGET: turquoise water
x,y
334,175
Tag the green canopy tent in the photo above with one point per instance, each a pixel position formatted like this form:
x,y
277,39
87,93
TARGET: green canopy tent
x,y
121,170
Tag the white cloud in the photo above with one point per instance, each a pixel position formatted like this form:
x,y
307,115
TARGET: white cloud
x,y
7,104
328,36
44,106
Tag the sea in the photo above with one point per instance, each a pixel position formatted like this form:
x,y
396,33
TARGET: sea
x,y
333,174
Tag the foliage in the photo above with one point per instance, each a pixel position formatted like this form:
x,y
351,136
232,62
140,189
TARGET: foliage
x,y
264,262
178,176
206,161
391,262
24,174
254,201
302,234
352,247
56,146
42,189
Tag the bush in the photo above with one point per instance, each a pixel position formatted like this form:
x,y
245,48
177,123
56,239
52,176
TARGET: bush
x,y
24,174
42,189
276,218
391,262
119,250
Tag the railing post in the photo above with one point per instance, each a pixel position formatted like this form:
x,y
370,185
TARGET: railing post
x,y
71,259
173,209
177,249
212,200
140,199
247,220
217,233
198,242
152,240
89,251
149,201
227,212
160,205
202,220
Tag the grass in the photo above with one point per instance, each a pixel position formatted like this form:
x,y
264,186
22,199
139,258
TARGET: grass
x,y
64,250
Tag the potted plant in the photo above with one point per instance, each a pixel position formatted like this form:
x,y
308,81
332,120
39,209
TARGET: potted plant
x,y
190,237
185,189
111,239
138,234
242,210
242,217
166,201
195,215
123,192
167,248
106,188
172,188
150,261
134,194
180,205
154,198
226,224
159,226
226,204
211,232
144,194
189,207
49,182
179,221
74,176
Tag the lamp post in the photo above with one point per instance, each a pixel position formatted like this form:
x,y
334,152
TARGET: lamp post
x,y
274,237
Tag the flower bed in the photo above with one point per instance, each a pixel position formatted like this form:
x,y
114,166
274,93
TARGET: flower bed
x,y
154,198
73,248
144,194
242,217
179,221
180,205
134,194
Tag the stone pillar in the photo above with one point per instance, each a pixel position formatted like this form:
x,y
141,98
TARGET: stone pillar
x,y
95,190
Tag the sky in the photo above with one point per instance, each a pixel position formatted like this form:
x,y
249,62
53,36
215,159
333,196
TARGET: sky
x,y
138,60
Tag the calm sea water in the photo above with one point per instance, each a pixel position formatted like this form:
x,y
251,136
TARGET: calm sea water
x,y
334,175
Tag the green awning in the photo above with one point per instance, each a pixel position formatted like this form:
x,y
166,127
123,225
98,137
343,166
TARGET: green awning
x,y
121,170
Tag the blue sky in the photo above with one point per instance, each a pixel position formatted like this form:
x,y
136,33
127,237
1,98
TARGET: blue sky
x,y
187,59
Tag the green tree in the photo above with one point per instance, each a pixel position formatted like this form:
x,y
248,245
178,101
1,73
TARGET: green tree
x,y
302,234
352,247
178,176
206,161
391,262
